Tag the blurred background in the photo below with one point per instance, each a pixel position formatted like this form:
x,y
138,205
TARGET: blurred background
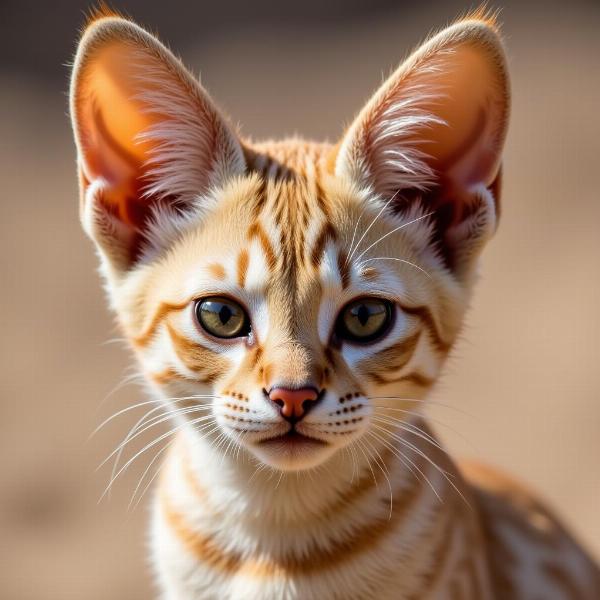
x,y
523,386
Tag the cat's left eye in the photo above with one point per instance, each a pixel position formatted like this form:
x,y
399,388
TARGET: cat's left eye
x,y
222,317
364,320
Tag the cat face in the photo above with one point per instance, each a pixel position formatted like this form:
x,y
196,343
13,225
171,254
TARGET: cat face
x,y
292,299
271,294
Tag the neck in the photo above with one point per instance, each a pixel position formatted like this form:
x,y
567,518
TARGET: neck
x,y
396,513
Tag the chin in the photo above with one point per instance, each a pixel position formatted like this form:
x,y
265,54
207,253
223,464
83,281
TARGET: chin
x,y
292,452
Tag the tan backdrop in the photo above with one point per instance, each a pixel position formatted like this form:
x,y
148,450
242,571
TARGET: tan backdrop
x,y
522,387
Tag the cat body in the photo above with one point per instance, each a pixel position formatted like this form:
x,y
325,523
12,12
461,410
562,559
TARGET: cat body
x,y
291,304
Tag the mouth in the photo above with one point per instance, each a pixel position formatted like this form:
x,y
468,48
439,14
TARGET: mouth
x,y
292,440
292,451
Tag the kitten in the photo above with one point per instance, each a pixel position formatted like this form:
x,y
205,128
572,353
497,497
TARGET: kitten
x,y
292,304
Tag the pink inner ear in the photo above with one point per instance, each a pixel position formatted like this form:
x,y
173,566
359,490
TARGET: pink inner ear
x,y
121,170
466,150
435,129
148,136
109,123
475,161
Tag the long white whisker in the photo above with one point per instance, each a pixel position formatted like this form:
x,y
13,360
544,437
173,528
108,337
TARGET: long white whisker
x,y
362,212
392,232
124,382
147,447
402,260
381,464
152,423
154,401
403,458
130,433
119,413
423,402
149,483
369,227
413,413
409,428
137,487
420,452
115,340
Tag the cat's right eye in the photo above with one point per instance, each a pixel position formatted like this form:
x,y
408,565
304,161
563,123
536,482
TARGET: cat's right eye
x,y
222,317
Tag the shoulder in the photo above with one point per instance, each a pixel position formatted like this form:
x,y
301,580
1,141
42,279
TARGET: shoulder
x,y
531,553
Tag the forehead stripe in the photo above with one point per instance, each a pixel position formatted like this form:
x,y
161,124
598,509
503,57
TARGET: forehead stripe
x,y
343,268
327,233
242,267
256,231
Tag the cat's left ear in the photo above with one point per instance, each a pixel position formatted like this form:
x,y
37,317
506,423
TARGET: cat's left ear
x,y
150,142
433,133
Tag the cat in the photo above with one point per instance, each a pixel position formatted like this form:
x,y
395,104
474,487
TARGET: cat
x,y
291,304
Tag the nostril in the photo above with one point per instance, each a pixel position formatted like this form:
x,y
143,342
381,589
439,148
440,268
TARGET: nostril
x,y
294,403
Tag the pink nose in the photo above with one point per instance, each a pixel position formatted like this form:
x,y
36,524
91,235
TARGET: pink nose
x,y
293,403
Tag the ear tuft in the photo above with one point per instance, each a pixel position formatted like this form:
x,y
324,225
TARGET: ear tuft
x,y
483,15
101,11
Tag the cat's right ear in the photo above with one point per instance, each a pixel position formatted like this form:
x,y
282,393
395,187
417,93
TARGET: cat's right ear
x,y
150,142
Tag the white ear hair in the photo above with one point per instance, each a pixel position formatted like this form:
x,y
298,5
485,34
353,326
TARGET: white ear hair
x,y
151,143
433,133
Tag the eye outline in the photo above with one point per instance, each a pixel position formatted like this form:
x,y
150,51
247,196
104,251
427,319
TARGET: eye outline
x,y
347,337
248,329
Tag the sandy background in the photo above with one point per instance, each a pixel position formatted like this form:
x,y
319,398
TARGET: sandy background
x,y
523,385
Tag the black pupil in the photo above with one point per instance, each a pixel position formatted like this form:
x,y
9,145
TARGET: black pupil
x,y
363,314
225,314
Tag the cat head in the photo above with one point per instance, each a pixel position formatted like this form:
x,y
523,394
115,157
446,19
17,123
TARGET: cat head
x,y
293,298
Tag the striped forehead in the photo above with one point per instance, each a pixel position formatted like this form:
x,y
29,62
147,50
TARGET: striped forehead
x,y
290,243
289,239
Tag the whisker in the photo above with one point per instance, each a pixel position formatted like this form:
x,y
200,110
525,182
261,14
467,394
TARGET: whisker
x,y
119,413
361,447
413,468
351,254
137,487
429,420
133,432
148,484
165,416
352,453
410,428
128,379
128,436
147,447
381,464
403,458
423,401
402,260
154,401
115,340
394,231
421,453
362,212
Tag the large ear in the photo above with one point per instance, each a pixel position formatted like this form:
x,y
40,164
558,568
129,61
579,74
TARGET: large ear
x,y
434,133
150,142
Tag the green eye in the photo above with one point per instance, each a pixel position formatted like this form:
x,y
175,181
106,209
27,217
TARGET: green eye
x,y
364,320
222,317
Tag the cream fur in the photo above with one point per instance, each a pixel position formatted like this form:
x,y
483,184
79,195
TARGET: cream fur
x,y
180,208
